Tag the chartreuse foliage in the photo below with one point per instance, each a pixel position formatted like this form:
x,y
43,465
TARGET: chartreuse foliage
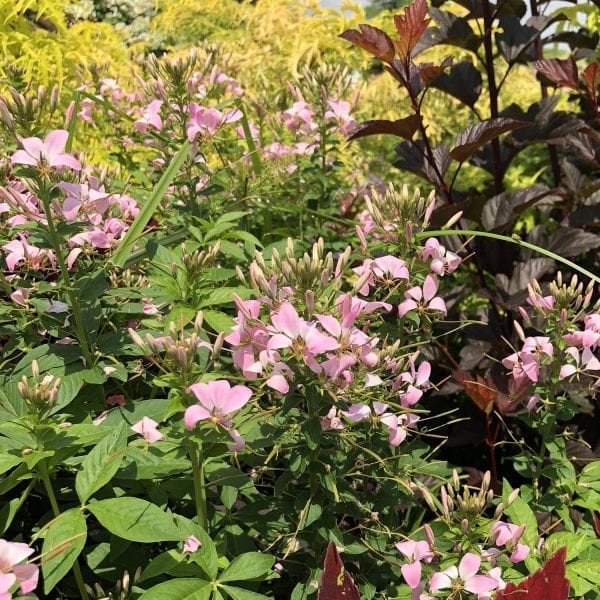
x,y
37,46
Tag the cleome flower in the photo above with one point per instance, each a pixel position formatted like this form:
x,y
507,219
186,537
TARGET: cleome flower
x,y
49,152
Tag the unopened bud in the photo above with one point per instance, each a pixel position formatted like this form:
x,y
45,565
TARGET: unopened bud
x,y
218,345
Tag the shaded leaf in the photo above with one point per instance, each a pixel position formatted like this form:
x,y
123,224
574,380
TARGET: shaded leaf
x,y
336,583
410,27
567,241
559,71
373,40
463,82
503,210
515,42
452,30
179,589
404,128
547,583
412,159
479,134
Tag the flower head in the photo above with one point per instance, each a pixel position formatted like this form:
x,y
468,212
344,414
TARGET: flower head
x,y
216,400
48,152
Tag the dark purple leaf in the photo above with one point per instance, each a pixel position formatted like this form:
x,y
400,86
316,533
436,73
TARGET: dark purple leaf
x,y
479,134
410,27
462,82
429,72
373,40
452,30
412,159
336,583
515,42
570,242
547,583
404,128
503,210
591,75
559,71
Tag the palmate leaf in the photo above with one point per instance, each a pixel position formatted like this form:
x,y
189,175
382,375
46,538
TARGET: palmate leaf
x,y
336,583
547,583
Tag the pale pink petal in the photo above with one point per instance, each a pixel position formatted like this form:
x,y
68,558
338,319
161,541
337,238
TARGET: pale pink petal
x,y
430,287
477,584
194,414
237,397
55,142
192,543
238,441
406,306
27,575
412,574
440,581
469,565
521,552
439,305
279,383
21,157
34,147
7,580
286,320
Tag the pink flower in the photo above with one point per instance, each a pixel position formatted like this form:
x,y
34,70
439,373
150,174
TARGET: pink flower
x,y
192,543
508,534
331,420
384,269
422,299
340,112
584,361
465,577
151,116
147,429
398,424
415,552
216,400
49,152
442,260
12,553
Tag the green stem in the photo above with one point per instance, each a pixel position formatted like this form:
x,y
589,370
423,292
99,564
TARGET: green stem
x,y
197,458
511,240
62,265
45,477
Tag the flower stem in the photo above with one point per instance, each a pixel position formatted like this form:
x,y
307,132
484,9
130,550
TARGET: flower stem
x,y
197,458
64,272
44,476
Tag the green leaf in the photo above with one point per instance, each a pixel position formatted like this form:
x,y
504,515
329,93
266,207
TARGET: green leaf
x,y
576,543
101,464
8,461
135,519
206,556
241,594
64,540
162,564
179,589
521,514
143,218
250,565
218,321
